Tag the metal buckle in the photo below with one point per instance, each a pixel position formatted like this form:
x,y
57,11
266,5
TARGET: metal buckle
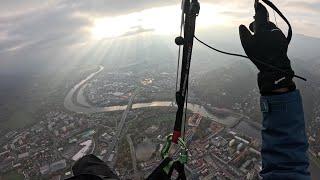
x,y
183,158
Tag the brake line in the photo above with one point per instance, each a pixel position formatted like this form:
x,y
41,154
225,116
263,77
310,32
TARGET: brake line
x,y
254,60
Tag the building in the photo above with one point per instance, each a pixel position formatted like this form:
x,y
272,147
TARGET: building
x,y
59,165
23,155
232,142
64,129
45,169
56,132
110,159
83,151
240,147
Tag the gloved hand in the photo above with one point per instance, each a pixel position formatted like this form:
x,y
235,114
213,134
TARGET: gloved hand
x,y
269,45
159,173
165,169
91,167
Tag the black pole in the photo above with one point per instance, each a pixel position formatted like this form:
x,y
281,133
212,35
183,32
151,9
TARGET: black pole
x,y
191,10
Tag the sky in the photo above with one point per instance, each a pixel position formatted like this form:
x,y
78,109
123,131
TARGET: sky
x,y
52,24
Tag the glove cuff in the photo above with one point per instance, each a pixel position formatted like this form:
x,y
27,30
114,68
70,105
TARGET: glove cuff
x,y
270,81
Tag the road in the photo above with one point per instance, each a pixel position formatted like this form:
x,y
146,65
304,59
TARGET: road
x,y
115,139
93,146
133,154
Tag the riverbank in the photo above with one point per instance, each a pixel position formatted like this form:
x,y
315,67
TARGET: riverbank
x,y
237,123
76,102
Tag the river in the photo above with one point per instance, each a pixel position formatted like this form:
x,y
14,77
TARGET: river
x,y
82,106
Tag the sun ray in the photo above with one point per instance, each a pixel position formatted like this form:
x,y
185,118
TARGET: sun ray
x,y
163,20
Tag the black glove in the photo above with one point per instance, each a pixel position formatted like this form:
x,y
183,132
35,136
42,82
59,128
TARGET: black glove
x,y
268,45
91,167
160,173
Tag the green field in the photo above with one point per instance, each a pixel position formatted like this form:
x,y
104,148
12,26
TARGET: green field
x,y
12,175
19,120
315,160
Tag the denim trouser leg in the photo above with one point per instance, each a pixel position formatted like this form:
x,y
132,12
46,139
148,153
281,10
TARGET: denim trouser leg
x,y
284,141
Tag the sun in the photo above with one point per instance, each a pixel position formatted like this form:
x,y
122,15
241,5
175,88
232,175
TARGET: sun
x,y
152,19
112,26
162,20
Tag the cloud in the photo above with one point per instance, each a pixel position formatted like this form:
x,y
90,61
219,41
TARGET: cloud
x,y
112,8
137,30
33,22
50,24
235,13
303,7
43,25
